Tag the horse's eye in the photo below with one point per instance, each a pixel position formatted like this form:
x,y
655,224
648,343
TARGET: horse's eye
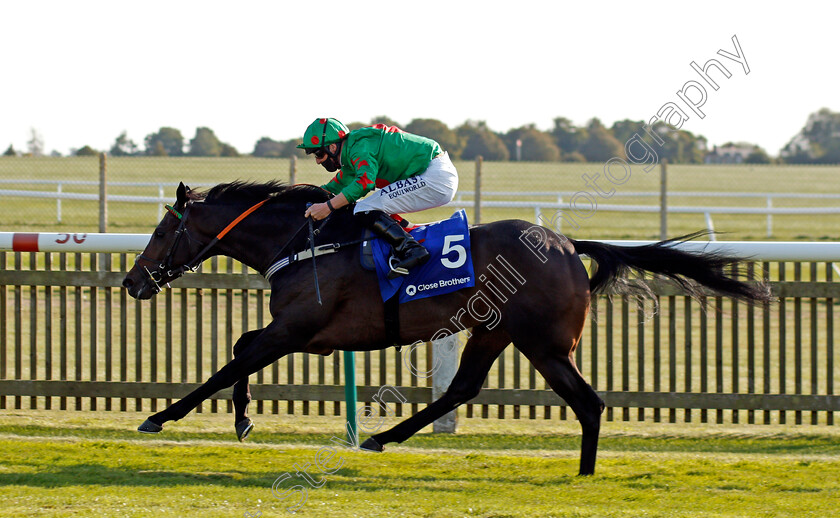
x,y
160,234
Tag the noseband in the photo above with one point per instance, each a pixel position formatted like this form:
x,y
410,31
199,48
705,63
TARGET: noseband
x,y
165,267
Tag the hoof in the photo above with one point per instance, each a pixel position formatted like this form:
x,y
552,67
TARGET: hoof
x,y
243,428
371,445
149,427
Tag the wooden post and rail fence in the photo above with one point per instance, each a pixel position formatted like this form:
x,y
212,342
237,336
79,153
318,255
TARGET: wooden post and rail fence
x,y
70,338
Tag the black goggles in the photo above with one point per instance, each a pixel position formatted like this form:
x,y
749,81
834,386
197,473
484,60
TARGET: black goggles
x,y
319,153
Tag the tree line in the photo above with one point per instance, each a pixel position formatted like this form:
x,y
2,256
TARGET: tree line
x,y
817,142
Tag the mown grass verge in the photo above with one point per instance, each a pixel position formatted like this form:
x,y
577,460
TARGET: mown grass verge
x,y
83,464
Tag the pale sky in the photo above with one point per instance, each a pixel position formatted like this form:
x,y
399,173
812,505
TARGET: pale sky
x,y
82,72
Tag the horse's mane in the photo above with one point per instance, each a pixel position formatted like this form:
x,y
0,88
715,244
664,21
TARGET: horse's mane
x,y
241,191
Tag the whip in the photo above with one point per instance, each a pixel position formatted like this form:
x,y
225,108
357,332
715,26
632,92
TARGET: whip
x,y
312,248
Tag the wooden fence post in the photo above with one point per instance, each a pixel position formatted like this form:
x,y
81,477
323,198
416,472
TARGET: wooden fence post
x,y
103,194
292,170
663,200
477,196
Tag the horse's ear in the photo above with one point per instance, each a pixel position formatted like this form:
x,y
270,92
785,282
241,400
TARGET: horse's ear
x,y
181,195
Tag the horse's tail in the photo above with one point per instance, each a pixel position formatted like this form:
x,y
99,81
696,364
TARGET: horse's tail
x,y
688,269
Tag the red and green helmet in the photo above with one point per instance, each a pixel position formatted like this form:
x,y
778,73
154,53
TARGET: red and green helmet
x,y
323,132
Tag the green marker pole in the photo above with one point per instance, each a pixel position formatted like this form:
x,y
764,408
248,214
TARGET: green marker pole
x,y
350,399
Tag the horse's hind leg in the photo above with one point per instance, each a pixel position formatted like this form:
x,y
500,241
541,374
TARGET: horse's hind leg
x,y
481,351
241,392
565,379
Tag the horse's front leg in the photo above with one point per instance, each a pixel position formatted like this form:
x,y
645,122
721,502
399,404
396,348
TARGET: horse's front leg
x,y
266,347
241,392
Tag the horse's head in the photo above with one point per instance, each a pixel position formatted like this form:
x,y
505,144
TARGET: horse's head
x,y
169,252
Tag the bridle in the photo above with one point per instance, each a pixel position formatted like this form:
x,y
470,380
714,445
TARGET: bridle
x,y
165,268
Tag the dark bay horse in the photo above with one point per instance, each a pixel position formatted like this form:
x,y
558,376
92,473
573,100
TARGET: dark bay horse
x,y
540,308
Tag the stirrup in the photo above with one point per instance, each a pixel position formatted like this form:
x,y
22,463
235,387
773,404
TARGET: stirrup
x,y
395,270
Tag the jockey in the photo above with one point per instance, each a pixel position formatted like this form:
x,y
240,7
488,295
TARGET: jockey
x,y
411,172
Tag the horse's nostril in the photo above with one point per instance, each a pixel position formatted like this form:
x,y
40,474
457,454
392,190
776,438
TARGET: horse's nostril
x,y
127,283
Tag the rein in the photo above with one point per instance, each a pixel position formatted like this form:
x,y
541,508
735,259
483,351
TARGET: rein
x,y
192,265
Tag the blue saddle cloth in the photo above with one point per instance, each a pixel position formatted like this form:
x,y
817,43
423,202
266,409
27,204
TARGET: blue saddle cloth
x,y
449,268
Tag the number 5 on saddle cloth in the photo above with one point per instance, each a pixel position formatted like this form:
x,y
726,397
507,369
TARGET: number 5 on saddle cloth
x,y
449,268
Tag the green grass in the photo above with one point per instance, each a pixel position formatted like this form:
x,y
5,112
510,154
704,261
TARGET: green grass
x,y
83,464
19,214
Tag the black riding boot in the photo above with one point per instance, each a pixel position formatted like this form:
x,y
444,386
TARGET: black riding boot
x,y
407,251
